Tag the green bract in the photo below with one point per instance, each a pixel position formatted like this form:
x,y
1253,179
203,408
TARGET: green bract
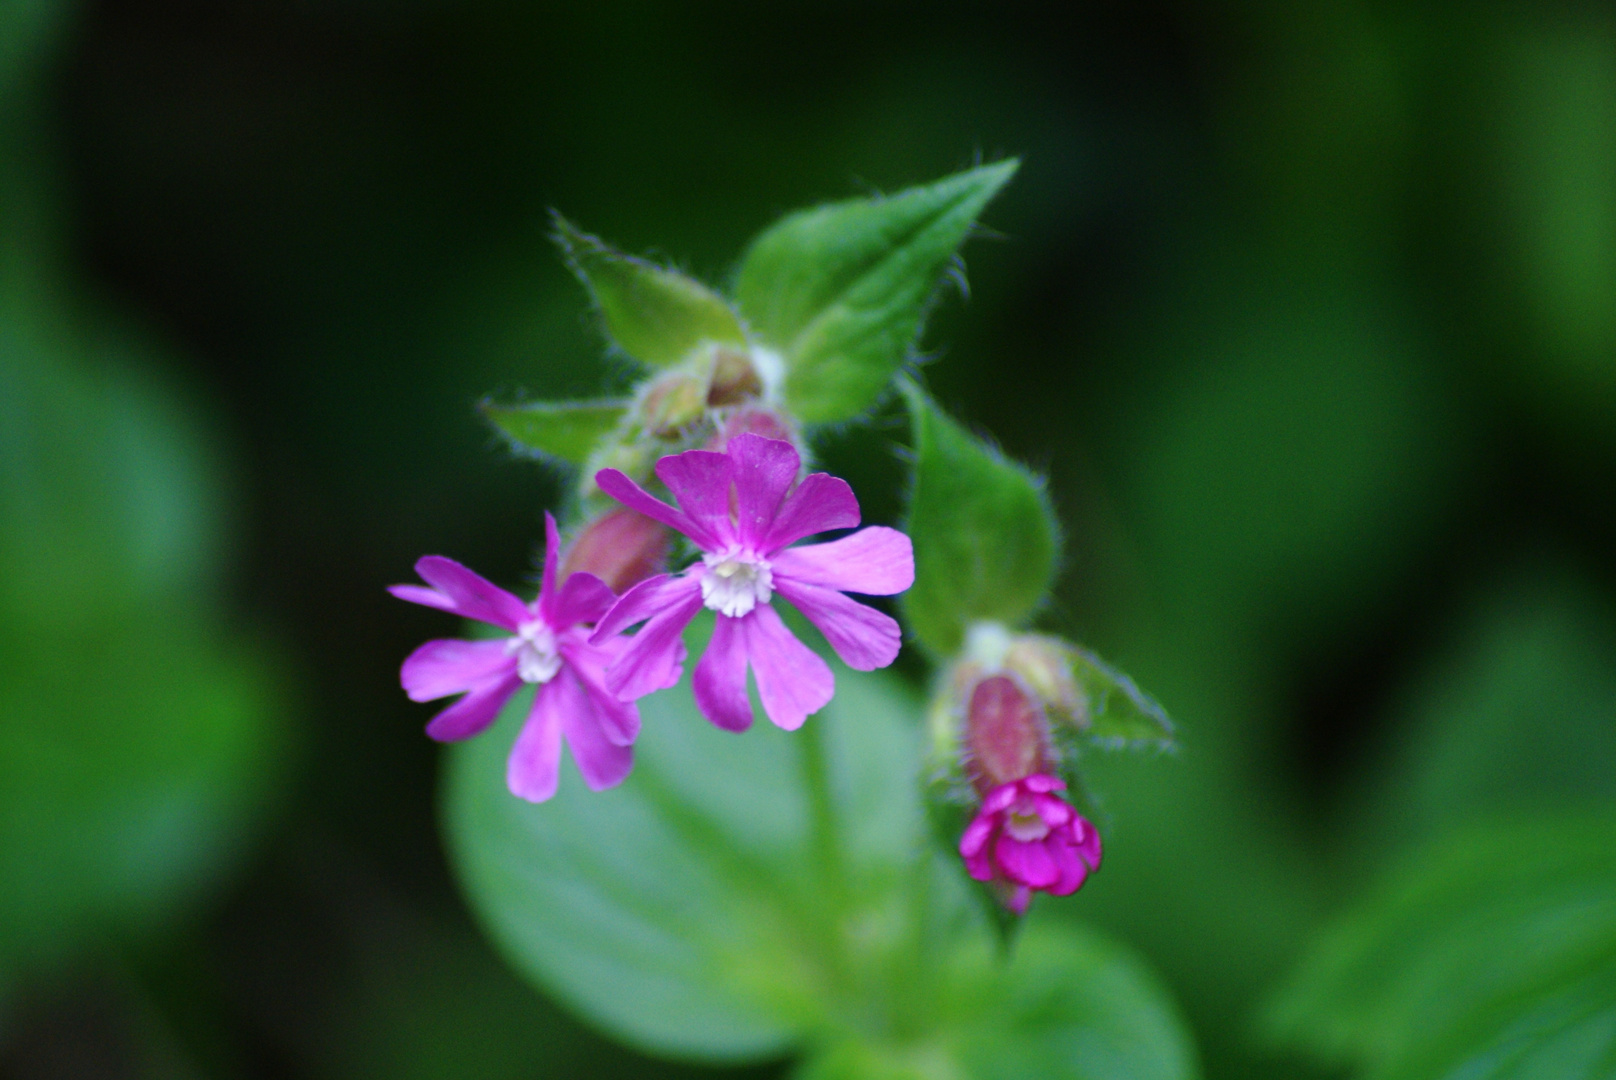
x,y
986,539
840,290
1119,713
655,315
565,430
742,897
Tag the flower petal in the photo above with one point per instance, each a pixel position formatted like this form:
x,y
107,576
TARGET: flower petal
x,y
534,766
863,637
654,658
631,495
646,600
1087,842
603,762
620,720
876,561
1072,870
720,679
476,710
700,480
1001,798
552,558
474,597
584,598
792,681
1027,864
820,503
975,838
764,471
452,666
420,594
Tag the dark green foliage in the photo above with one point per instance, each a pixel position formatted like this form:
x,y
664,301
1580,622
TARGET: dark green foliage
x,y
1492,955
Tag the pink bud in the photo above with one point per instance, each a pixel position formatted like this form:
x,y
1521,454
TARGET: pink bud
x,y
752,421
1006,735
622,547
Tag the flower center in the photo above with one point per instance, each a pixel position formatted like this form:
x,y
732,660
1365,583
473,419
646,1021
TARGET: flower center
x,y
735,583
1024,824
534,647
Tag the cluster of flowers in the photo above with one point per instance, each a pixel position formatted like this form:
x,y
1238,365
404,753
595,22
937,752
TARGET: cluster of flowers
x,y
744,508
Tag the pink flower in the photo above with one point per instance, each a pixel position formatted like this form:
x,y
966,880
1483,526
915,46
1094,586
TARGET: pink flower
x,y
1027,837
550,649
741,509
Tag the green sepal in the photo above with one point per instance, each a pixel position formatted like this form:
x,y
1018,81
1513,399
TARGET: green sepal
x,y
564,430
840,290
985,536
656,315
1119,714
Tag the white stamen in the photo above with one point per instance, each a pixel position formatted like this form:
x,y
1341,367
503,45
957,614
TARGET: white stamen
x,y
735,583
534,647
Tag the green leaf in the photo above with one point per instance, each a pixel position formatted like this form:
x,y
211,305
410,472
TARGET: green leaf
x,y
1119,713
685,911
840,290
986,539
1070,1005
565,430
1451,959
656,315
723,905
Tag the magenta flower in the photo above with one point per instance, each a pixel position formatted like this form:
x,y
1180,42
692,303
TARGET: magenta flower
x,y
741,509
1027,837
550,649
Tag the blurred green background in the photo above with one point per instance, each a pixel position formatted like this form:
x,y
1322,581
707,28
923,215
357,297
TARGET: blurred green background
x,y
1309,311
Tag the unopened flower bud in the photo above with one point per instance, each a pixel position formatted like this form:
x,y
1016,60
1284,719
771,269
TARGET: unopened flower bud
x,y
734,379
673,403
1006,735
622,547
752,421
1045,665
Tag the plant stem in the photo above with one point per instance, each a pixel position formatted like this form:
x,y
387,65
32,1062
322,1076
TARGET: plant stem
x,y
823,836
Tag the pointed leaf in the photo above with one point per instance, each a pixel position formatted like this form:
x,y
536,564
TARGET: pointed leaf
x,y
656,315
986,539
840,290
1119,713
565,430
